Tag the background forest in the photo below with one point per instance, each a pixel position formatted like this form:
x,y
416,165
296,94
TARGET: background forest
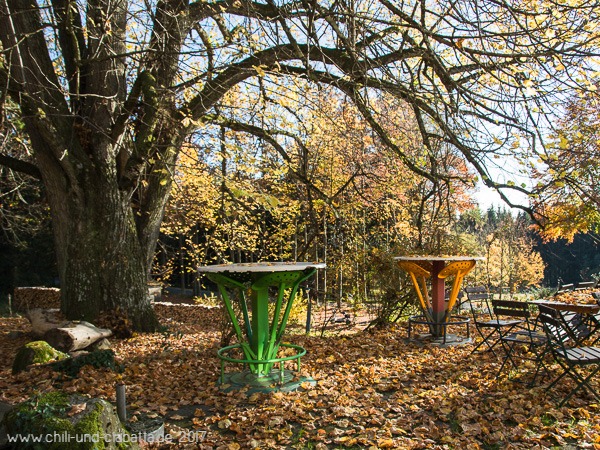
x,y
331,192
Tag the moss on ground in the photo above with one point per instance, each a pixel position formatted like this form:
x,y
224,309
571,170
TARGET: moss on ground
x,y
36,352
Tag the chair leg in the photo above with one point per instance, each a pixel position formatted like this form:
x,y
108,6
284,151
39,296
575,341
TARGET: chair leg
x,y
507,357
485,341
539,365
581,382
510,350
558,378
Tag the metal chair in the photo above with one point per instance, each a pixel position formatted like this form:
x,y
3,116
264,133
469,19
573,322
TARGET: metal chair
x,y
564,288
523,334
591,321
571,359
576,326
487,324
585,285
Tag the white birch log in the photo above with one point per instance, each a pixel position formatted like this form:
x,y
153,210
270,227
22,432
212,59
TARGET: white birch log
x,y
75,336
43,320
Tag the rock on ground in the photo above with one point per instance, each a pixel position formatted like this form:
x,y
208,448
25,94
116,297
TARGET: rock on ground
x,y
66,421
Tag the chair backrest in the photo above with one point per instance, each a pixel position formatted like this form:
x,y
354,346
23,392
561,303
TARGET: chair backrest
x,y
573,324
515,310
479,301
585,285
564,288
556,333
511,308
549,311
555,314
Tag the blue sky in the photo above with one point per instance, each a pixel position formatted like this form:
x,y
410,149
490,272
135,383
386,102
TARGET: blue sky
x,y
487,197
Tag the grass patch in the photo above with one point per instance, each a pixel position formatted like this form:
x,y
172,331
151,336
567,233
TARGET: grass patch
x,y
453,423
548,420
494,446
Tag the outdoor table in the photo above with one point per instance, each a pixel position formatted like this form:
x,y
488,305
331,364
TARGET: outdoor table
x,y
581,308
437,268
259,338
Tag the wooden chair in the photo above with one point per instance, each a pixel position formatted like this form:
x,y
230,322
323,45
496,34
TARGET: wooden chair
x,y
571,359
487,324
524,334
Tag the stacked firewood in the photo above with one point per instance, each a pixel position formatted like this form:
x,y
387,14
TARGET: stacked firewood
x,y
27,298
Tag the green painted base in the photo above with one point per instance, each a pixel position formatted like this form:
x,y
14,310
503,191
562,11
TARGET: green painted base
x,y
265,383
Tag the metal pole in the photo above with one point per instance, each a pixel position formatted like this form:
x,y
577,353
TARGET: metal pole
x,y
121,403
308,310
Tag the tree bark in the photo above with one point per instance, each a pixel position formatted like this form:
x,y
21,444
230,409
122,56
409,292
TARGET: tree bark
x,y
105,269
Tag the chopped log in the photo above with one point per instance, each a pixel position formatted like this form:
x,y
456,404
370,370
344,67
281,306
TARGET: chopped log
x,y
43,320
75,336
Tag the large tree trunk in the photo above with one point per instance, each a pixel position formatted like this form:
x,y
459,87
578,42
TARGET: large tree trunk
x,y
103,263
